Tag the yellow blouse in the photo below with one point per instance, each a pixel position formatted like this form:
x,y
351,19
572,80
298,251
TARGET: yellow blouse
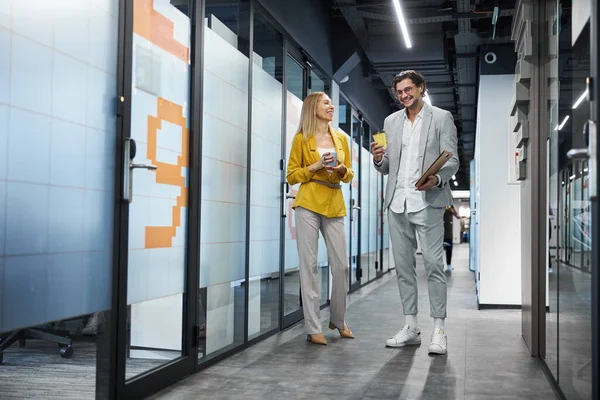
x,y
315,196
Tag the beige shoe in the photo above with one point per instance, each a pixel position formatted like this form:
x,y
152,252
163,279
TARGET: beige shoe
x,y
316,339
345,333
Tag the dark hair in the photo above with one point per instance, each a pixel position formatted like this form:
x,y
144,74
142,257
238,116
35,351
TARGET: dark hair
x,y
416,77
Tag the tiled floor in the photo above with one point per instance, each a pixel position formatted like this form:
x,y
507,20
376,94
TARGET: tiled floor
x,y
487,359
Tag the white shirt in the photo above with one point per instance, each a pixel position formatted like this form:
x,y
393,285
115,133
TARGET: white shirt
x,y
323,150
406,197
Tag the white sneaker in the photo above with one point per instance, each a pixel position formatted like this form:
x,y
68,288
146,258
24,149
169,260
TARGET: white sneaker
x,y
439,342
406,336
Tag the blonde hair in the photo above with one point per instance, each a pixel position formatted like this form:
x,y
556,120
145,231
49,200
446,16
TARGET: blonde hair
x,y
308,116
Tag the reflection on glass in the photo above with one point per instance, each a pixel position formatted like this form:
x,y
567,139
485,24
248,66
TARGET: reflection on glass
x,y
318,84
265,191
551,352
570,276
224,179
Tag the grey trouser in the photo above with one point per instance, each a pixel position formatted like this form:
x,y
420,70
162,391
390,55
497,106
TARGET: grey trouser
x,y
308,224
429,225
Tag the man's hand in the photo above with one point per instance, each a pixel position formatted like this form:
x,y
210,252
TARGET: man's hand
x,y
432,181
378,151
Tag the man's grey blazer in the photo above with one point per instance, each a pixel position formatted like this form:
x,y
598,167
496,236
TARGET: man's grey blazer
x,y
438,133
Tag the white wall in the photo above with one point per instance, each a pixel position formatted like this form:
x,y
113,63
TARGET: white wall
x,y
499,202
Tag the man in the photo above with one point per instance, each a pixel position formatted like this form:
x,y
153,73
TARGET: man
x,y
416,136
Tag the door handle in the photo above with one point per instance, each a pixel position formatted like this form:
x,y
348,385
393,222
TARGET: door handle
x,y
353,207
146,166
593,156
129,150
285,188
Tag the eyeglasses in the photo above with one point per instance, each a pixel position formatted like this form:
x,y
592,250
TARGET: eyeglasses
x,y
407,90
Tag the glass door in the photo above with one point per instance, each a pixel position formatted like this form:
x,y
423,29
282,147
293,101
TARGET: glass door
x,y
381,263
385,229
225,203
296,89
571,323
155,323
355,207
369,207
267,171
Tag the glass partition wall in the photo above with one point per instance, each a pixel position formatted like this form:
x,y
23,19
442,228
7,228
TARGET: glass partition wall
x,y
152,232
224,211
296,88
568,326
58,130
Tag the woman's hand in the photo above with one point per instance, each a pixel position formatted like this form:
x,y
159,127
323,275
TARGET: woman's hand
x,y
340,168
321,163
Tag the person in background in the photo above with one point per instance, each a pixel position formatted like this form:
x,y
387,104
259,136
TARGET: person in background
x,y
319,160
449,214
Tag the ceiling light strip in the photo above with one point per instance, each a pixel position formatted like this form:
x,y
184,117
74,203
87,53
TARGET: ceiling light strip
x,y
402,22
580,99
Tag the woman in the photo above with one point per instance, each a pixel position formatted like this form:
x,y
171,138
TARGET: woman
x,y
319,160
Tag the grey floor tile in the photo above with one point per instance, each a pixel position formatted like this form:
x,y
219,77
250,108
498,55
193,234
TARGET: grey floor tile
x,y
486,358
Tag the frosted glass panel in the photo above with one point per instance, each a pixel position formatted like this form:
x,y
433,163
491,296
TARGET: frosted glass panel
x,y
266,178
265,200
57,200
56,197
160,127
224,180
224,162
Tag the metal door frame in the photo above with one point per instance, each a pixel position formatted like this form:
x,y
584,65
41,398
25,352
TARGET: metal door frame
x,y
288,320
354,206
156,379
594,116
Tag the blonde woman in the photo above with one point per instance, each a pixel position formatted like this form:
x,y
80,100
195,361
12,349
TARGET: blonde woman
x,y
319,161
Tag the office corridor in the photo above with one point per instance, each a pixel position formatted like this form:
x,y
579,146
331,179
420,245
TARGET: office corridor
x,y
487,358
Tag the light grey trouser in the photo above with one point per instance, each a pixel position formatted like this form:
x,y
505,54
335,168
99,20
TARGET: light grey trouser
x,y
308,224
429,225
